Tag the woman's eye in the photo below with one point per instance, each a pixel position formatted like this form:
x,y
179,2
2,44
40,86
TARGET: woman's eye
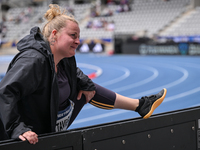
x,y
73,35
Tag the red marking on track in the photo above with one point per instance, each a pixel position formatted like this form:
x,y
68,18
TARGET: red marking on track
x,y
92,75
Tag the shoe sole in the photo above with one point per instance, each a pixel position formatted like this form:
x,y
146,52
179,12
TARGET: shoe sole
x,y
156,104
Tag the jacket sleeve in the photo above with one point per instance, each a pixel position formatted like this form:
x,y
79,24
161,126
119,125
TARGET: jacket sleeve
x,y
20,80
84,82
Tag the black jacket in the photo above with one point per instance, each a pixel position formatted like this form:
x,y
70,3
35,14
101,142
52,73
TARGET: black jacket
x,y
29,91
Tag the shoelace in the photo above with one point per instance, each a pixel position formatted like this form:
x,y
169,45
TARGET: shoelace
x,y
149,98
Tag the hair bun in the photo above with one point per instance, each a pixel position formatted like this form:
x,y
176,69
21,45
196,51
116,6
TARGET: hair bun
x,y
54,11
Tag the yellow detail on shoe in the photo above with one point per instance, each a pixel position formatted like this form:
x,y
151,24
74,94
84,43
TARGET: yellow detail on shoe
x,y
156,104
101,105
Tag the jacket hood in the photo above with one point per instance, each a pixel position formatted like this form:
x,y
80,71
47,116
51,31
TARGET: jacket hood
x,y
34,41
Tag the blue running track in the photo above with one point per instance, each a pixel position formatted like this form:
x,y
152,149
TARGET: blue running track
x,y
136,76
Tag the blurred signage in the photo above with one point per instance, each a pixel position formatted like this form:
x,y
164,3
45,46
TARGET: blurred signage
x,y
170,49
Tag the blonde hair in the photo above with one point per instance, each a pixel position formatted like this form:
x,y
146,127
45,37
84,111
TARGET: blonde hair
x,y
55,19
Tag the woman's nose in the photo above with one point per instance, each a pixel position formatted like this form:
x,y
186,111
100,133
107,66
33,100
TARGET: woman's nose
x,y
77,41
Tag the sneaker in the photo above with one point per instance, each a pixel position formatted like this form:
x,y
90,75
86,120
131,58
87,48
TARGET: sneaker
x,y
151,103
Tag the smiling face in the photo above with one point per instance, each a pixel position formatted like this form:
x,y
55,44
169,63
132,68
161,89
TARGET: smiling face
x,y
67,40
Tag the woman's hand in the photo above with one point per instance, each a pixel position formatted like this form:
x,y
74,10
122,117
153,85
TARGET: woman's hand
x,y
88,95
32,137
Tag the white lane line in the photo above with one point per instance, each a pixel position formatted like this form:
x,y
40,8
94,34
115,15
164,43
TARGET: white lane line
x,y
180,95
96,68
124,76
180,80
99,116
155,74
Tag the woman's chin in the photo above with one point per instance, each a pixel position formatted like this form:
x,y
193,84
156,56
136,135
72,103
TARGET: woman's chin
x,y
71,54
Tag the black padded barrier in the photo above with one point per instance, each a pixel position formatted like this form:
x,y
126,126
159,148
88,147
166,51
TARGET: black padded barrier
x,y
62,141
175,130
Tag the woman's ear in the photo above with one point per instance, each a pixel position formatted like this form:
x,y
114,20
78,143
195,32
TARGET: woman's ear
x,y
54,33
53,37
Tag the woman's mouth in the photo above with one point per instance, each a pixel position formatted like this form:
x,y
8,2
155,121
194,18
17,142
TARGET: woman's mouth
x,y
74,47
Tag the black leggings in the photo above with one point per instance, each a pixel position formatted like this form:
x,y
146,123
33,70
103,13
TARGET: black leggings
x,y
103,98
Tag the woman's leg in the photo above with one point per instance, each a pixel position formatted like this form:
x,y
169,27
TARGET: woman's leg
x,y
107,99
145,106
127,103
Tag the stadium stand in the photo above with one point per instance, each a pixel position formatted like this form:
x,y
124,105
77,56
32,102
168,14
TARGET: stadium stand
x,y
141,18
20,20
186,26
145,15
150,15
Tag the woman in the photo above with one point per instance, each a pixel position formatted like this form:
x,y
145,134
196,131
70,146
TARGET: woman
x,y
43,90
